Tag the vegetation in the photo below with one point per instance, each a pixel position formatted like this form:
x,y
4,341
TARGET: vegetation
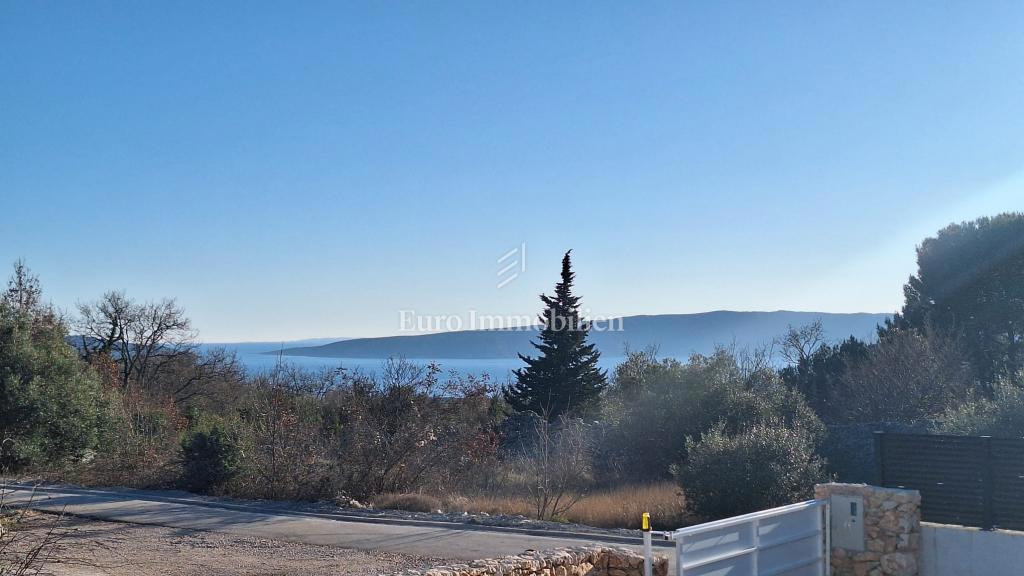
x,y
51,404
211,459
766,465
1001,414
564,380
409,502
968,286
606,508
555,469
130,400
661,403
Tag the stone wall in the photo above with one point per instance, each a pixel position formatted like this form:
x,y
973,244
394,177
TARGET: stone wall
x,y
580,561
892,531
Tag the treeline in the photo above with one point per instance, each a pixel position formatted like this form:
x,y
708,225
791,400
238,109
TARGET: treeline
x,y
950,361
128,400
118,394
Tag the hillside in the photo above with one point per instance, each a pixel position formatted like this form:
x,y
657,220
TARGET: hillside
x,y
676,335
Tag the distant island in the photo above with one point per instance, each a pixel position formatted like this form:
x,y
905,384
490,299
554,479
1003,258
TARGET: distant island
x,y
675,335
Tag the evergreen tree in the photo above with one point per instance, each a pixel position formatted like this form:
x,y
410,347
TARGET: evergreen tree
x,y
970,284
51,404
564,379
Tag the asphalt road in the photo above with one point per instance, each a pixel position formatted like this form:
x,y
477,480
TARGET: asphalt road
x,y
457,541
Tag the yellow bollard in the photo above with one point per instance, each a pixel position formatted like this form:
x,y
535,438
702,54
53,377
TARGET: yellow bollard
x,y
645,525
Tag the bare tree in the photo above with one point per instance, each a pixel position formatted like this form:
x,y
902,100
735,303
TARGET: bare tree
x,y
407,427
799,344
192,374
556,468
908,377
145,338
316,383
286,442
755,364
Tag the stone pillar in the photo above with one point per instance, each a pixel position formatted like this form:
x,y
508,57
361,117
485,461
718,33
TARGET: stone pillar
x,y
892,531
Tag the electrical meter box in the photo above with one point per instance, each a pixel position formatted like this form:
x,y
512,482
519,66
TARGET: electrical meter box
x,y
847,521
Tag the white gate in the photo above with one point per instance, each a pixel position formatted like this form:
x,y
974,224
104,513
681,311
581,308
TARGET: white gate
x,y
787,541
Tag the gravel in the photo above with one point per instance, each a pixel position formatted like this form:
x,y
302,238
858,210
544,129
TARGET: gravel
x,y
90,547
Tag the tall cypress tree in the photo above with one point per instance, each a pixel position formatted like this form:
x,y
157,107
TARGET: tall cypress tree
x,y
564,379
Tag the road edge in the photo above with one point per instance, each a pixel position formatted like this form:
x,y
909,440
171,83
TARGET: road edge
x,y
270,509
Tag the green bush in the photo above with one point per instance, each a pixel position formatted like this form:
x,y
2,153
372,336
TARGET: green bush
x,y
211,459
1001,416
52,405
764,466
656,404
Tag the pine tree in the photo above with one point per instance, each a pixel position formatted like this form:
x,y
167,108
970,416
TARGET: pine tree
x,y
564,379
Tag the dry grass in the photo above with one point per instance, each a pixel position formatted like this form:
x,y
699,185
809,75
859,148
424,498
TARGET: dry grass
x,y
409,502
617,508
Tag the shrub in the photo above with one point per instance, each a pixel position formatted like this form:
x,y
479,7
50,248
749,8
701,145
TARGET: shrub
x,y
408,502
408,429
555,470
51,405
761,467
908,376
211,459
140,447
280,429
657,404
1002,415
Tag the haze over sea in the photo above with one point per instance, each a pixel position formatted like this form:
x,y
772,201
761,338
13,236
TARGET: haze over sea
x,y
499,369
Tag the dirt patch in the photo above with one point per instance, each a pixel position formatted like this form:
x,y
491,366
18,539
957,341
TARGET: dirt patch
x,y
93,548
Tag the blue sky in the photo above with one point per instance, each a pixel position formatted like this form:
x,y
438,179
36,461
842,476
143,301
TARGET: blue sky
x,y
293,170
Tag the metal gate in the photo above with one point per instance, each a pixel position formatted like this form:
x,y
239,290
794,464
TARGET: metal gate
x,y
787,541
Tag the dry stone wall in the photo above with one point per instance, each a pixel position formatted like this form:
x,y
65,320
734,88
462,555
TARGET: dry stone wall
x,y
578,561
892,531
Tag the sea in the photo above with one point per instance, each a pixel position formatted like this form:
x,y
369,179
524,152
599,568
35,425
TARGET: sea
x,y
498,369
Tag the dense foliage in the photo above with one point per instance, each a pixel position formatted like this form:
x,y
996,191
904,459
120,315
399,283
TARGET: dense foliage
x,y
564,379
959,334
1000,414
51,404
969,285
819,374
211,459
768,464
135,402
660,403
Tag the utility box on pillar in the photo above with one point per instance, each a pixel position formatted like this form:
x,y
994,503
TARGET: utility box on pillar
x,y
847,521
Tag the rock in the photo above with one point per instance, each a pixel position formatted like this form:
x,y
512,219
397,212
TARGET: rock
x,y
346,501
576,561
899,564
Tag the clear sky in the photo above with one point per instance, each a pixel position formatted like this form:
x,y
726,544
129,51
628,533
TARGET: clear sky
x,y
301,169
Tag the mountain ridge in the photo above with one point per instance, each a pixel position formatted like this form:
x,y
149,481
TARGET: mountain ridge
x,y
677,335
